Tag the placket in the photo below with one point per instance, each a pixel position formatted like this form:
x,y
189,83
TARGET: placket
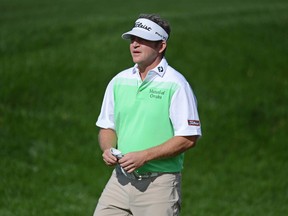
x,y
145,83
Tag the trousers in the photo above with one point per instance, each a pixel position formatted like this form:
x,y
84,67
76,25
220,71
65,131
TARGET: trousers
x,y
122,196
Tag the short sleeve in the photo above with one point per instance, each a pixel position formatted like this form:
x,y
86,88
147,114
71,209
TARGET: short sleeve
x,y
183,112
106,117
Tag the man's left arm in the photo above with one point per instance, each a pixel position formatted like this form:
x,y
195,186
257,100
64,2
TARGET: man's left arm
x,y
172,147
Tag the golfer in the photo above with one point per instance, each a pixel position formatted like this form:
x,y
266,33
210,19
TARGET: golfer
x,y
148,120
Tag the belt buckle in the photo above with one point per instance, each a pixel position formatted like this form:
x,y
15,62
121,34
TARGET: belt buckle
x,y
137,176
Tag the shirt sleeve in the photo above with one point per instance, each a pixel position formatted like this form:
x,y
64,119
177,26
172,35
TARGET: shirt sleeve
x,y
106,117
183,112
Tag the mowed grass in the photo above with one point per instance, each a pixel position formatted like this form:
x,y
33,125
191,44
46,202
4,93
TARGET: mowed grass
x,y
56,58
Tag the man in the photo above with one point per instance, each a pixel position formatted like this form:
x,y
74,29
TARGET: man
x,y
149,114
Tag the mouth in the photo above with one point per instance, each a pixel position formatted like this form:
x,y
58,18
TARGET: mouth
x,y
136,52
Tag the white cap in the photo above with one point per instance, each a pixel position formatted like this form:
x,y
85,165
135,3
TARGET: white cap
x,y
148,30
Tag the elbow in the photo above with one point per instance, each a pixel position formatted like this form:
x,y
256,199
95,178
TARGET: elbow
x,y
191,144
191,141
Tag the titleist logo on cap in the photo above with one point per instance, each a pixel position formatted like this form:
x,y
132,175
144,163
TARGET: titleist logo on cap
x,y
141,25
148,30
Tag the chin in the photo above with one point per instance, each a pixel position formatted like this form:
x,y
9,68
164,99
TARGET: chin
x,y
136,60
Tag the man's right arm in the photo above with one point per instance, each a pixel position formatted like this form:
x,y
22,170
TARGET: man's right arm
x,y
108,139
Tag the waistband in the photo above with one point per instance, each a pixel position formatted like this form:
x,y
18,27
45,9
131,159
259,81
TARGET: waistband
x,y
136,176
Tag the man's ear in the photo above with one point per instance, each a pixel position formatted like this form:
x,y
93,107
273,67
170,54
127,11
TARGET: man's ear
x,y
163,46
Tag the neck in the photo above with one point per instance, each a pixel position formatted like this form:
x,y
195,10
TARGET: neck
x,y
144,69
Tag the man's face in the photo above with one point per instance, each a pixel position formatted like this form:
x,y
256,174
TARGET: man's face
x,y
144,52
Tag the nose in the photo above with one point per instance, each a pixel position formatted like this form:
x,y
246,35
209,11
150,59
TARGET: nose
x,y
134,42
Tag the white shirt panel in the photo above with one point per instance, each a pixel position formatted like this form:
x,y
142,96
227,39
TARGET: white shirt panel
x,y
106,117
183,107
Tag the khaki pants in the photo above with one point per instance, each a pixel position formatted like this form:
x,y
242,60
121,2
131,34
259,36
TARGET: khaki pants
x,y
156,196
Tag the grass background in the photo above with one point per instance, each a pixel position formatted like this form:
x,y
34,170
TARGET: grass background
x,y
56,58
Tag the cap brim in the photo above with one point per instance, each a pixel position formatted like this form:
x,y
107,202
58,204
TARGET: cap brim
x,y
141,34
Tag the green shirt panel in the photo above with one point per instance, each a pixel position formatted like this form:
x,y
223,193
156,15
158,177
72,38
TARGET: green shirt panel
x,y
142,120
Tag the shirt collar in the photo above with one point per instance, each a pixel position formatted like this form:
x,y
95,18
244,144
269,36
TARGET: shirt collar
x,y
160,69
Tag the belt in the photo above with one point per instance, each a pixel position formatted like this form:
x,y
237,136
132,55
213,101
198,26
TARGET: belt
x,y
136,176
147,175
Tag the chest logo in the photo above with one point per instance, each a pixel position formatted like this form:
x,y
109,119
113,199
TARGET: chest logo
x,y
157,94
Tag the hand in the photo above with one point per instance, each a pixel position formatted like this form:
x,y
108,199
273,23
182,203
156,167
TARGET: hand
x,y
132,161
109,159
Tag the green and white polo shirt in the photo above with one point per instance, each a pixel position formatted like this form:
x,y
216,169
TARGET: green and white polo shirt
x,y
147,113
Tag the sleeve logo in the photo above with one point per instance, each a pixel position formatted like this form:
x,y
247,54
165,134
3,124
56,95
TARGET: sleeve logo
x,y
193,123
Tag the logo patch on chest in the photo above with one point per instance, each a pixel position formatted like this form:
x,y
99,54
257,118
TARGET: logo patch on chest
x,y
156,94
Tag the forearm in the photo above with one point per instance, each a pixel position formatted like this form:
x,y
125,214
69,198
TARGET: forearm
x,y
107,139
174,146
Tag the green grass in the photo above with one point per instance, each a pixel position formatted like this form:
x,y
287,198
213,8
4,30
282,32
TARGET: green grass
x,y
56,58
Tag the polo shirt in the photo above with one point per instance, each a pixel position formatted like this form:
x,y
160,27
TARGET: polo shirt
x,y
147,113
